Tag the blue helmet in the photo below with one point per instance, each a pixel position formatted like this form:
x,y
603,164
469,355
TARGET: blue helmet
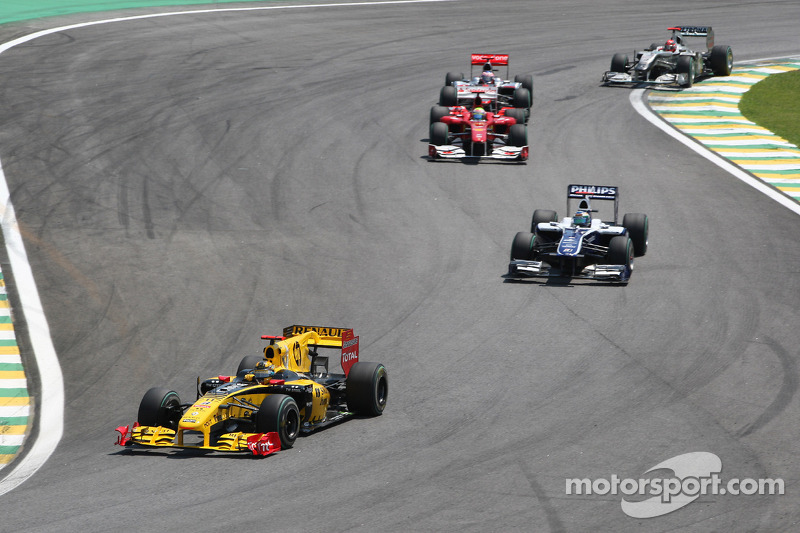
x,y
582,218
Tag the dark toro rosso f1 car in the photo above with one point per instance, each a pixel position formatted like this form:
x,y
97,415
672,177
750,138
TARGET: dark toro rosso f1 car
x,y
581,246
269,402
672,63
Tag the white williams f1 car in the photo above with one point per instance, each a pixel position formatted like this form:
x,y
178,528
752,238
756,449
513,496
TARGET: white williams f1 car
x,y
672,63
583,245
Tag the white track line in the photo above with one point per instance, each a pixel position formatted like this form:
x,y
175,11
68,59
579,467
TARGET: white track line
x,y
636,99
50,419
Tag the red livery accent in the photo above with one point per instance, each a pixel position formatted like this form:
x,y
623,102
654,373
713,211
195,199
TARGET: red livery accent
x,y
124,438
349,350
264,443
496,60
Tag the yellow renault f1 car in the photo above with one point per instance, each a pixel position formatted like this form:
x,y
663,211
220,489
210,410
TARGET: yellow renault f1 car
x,y
270,400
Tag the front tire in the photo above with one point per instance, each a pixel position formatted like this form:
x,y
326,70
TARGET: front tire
x,y
440,134
160,407
620,251
452,77
686,66
619,63
522,98
279,413
518,135
638,228
367,388
522,246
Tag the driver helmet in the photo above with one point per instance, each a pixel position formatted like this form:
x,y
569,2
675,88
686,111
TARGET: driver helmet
x,y
478,114
582,218
263,371
487,77
670,46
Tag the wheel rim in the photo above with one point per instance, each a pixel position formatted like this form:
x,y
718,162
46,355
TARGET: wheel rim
x,y
381,391
292,424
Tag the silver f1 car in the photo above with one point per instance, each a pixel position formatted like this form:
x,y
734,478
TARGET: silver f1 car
x,y
494,92
581,246
672,63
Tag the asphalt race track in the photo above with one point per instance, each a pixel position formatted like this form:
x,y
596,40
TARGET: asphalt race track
x,y
186,184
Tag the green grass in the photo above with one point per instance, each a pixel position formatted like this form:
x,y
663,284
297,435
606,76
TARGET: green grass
x,y
774,103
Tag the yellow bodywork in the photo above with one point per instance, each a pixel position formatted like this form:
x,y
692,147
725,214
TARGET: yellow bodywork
x,y
240,400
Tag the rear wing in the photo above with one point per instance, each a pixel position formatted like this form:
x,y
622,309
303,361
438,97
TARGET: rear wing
x,y
495,60
326,337
587,193
694,31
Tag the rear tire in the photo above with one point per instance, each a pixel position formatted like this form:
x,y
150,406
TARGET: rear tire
x,y
279,413
248,362
620,251
160,407
542,215
452,77
522,246
440,134
638,228
448,96
517,114
367,388
526,80
437,112
619,63
721,60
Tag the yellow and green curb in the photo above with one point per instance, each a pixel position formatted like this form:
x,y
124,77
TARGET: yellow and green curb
x,y
709,113
14,400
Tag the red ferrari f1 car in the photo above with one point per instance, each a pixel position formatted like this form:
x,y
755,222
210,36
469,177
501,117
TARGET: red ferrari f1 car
x,y
459,133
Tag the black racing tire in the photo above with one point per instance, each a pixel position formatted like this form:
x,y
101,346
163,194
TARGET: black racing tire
x,y
542,215
686,66
248,362
652,47
160,407
448,96
526,80
619,63
440,134
721,59
521,98
279,413
520,115
518,135
522,246
437,112
620,251
637,225
451,77
367,388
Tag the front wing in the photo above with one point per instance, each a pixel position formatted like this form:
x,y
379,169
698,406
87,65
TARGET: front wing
x,y
625,78
162,437
451,151
522,269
